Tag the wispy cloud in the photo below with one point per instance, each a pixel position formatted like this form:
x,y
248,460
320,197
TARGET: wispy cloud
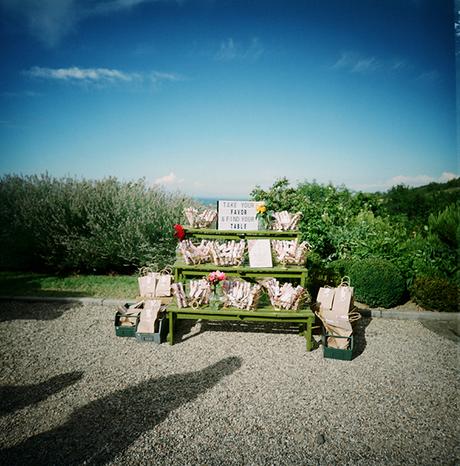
x,y
230,50
227,50
431,76
8,94
51,20
169,180
158,76
419,180
355,63
101,76
81,74
412,181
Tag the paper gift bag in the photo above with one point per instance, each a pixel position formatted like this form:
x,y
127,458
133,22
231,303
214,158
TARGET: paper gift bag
x,y
148,284
334,307
325,297
163,287
338,318
343,299
148,316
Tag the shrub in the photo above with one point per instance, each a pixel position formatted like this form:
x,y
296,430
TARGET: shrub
x,y
446,225
435,293
69,225
377,282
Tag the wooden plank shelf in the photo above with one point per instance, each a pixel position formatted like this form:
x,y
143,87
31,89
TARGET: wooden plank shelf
x,y
182,271
226,235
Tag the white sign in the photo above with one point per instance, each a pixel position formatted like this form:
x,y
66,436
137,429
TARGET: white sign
x,y
260,253
237,215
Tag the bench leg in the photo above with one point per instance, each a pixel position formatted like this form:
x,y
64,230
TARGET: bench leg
x,y
171,328
308,336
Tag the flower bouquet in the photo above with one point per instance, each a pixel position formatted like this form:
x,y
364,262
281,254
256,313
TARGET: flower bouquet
x,y
214,278
263,216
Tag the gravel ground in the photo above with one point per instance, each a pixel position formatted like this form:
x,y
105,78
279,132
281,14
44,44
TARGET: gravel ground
x,y
74,393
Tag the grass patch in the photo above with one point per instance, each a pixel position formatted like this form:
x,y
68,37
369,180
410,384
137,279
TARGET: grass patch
x,y
98,286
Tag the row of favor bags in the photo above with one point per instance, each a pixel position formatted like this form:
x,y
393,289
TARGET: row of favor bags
x,y
335,308
155,284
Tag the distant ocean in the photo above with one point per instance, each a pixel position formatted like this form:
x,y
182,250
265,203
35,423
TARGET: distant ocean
x,y
212,201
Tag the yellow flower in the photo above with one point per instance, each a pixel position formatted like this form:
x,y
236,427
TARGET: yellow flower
x,y
261,209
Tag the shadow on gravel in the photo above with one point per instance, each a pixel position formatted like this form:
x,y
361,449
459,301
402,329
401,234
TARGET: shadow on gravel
x,y
252,327
447,329
19,310
187,329
14,397
359,333
100,430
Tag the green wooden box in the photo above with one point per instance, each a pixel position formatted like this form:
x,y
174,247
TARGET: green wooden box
x,y
159,334
122,330
335,353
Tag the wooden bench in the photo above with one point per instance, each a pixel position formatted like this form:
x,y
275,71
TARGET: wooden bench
x,y
304,318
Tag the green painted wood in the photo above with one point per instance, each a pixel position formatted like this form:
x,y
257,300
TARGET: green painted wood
x,y
183,271
305,318
226,235
240,268
265,311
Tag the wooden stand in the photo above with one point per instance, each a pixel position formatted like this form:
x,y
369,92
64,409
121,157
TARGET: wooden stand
x,y
304,318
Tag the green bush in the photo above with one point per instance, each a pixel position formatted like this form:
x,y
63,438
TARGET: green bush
x,y
436,294
446,225
322,206
377,282
69,225
416,229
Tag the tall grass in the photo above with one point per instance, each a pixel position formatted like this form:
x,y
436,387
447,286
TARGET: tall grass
x,y
70,225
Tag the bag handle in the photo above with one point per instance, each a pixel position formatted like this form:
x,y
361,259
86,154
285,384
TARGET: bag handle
x,y
354,315
146,270
346,281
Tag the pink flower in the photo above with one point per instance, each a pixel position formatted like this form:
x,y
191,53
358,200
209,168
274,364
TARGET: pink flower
x,y
215,277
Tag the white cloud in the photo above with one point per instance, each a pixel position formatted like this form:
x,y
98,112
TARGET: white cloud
x,y
100,76
356,63
230,50
157,76
419,180
447,176
51,20
81,74
169,180
411,181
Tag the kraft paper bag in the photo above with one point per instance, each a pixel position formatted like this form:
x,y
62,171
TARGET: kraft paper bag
x,y
148,284
148,316
343,301
338,320
163,287
325,297
334,307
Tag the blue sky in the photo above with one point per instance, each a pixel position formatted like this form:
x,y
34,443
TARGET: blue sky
x,y
214,97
